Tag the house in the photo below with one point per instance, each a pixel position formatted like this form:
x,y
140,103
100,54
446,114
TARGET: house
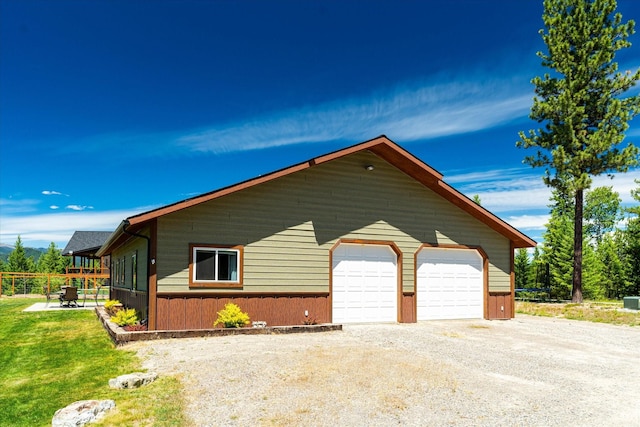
x,y
369,233
82,248
87,270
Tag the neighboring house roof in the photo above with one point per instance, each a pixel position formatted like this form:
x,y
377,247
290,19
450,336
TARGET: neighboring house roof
x,y
86,243
382,147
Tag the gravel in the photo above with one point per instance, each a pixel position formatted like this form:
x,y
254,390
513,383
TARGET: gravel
x,y
529,371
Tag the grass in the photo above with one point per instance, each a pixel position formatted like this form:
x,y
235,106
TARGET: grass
x,y
592,311
52,359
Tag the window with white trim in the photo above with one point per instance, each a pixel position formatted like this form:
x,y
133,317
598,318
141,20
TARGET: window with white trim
x,y
215,266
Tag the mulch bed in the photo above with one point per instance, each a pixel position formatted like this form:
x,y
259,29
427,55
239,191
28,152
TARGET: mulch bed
x,y
121,337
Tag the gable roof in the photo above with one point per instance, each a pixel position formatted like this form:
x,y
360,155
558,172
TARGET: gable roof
x,y
86,243
382,147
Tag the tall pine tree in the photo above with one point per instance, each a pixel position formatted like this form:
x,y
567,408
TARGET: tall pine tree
x,y
557,252
51,261
614,275
631,247
581,105
18,261
522,269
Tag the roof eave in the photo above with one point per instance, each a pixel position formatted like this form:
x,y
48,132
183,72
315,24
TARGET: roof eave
x,y
105,249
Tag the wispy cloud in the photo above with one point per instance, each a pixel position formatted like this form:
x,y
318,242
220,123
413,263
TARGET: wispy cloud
x,y
40,230
522,189
53,193
441,106
528,222
17,206
520,198
408,113
78,207
54,207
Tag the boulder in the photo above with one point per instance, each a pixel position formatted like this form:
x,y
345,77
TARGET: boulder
x,y
134,380
81,412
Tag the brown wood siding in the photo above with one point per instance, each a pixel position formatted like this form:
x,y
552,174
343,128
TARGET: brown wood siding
x,y
288,225
500,306
408,305
190,311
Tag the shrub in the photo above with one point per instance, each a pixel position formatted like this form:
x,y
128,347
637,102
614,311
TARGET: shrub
x,y
112,306
125,317
232,317
108,304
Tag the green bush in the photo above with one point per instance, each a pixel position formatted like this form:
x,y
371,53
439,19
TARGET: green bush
x,y
232,317
125,317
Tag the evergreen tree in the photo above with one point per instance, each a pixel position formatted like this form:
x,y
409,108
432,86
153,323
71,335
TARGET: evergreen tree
x,y
581,106
18,261
631,247
52,261
592,274
538,272
522,269
557,252
635,193
601,212
613,272
632,257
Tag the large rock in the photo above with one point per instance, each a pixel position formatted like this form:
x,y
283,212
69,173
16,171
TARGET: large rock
x,y
81,412
134,380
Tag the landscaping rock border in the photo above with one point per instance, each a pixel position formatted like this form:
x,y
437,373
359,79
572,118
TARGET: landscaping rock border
x,y
121,337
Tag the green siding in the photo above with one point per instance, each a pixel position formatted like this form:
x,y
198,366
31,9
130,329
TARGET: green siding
x,y
288,225
138,246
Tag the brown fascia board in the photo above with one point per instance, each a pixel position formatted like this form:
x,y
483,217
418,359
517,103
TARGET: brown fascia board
x,y
382,147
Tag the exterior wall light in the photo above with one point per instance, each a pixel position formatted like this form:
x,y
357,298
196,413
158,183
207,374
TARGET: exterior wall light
x,y
369,168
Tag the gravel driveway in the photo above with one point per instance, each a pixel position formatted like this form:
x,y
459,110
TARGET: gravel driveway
x,y
530,371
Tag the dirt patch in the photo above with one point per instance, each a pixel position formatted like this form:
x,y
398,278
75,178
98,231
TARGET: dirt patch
x,y
527,371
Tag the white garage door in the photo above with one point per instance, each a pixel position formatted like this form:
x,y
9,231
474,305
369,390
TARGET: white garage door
x,y
365,284
450,284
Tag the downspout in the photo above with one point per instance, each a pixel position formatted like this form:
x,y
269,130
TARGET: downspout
x,y
126,224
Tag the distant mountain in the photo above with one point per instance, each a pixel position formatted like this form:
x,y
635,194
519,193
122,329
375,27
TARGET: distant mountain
x,y
5,250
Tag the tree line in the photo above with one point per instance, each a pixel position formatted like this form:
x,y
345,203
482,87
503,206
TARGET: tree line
x,y
51,261
611,249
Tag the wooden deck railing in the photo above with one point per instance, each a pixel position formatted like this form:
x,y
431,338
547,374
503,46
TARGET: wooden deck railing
x,y
15,283
87,270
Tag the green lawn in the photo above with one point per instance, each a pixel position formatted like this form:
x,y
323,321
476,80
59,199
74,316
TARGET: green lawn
x,y
51,359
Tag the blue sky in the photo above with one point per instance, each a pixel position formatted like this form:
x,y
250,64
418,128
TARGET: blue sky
x,y
112,108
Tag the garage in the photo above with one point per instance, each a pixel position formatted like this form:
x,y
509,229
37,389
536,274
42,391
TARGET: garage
x,y
450,284
364,283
